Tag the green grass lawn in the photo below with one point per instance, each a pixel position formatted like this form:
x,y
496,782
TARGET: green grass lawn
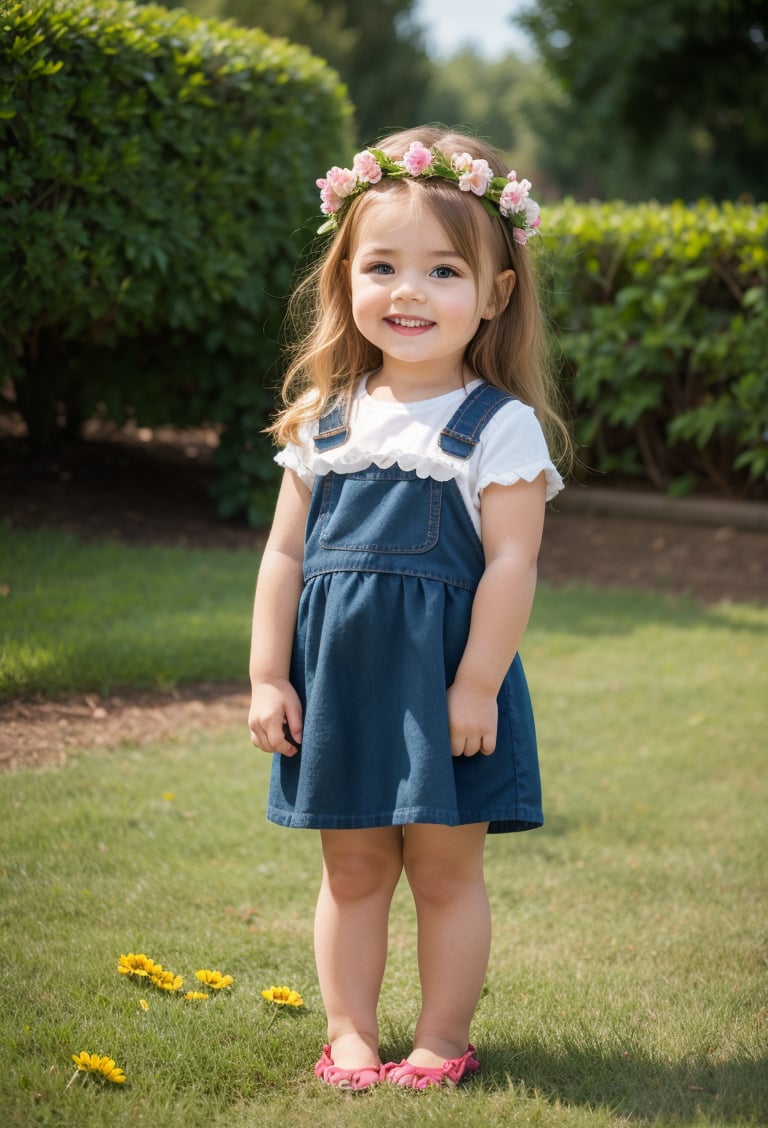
x,y
80,617
629,976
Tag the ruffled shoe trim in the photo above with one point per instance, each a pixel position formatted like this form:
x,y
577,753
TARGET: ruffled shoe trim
x,y
351,1080
451,1072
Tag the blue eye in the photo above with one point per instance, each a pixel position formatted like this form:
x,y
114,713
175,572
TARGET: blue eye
x,y
381,268
444,272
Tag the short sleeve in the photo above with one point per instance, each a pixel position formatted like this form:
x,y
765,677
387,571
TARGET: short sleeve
x,y
299,456
512,449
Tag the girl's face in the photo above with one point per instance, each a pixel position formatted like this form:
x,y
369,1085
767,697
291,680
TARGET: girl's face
x,y
413,296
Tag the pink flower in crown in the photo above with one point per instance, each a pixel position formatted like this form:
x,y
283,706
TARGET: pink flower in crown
x,y
342,180
417,159
366,167
335,186
330,202
476,178
520,235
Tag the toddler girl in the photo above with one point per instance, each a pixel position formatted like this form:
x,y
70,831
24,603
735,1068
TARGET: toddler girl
x,y
399,575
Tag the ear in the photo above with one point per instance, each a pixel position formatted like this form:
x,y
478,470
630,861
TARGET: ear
x,y
503,285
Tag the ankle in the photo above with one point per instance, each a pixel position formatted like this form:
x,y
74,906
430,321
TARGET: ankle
x,y
431,1052
354,1049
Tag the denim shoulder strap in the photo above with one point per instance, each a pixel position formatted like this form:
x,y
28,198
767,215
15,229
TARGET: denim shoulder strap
x,y
333,429
462,432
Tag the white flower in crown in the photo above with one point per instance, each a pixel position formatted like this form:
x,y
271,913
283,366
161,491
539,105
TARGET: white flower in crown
x,y
474,175
513,195
532,213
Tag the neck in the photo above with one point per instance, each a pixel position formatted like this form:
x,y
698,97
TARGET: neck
x,y
407,384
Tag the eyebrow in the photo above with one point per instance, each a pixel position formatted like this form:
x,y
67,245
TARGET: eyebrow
x,y
384,251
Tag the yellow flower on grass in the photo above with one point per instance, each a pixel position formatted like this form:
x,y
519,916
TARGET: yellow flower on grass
x,y
144,1004
214,979
196,995
102,1067
283,997
139,965
165,980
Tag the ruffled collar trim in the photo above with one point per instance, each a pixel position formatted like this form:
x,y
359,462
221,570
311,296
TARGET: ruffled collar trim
x,y
350,459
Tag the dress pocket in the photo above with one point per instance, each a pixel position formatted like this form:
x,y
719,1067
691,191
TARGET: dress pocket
x,y
387,511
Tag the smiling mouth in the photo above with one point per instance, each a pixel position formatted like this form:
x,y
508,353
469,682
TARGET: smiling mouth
x,y
410,322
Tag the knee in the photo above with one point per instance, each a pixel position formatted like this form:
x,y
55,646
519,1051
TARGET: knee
x,y
354,877
434,881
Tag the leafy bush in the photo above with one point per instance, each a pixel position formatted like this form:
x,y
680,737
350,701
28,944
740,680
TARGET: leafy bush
x,y
662,315
155,174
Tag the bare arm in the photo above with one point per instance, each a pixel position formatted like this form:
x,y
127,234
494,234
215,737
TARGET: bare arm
x,y
274,701
512,519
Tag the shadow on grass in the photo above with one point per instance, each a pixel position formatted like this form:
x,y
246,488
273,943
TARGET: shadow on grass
x,y
632,1085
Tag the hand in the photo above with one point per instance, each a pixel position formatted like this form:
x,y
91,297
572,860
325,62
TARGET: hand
x,y
275,717
472,718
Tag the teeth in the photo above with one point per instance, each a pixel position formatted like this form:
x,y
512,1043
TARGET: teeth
x,y
409,322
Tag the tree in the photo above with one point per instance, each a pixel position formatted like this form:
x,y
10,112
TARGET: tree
x,y
667,97
377,48
492,99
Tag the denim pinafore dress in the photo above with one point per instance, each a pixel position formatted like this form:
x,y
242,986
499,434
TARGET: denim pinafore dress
x,y
391,564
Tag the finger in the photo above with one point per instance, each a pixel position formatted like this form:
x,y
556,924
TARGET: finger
x,y
259,739
458,745
488,744
292,728
278,740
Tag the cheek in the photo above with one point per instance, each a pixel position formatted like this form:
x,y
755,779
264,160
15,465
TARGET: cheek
x,y
357,300
468,305
364,305
365,294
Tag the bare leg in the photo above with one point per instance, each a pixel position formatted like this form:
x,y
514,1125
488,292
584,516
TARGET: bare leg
x,y
444,866
361,869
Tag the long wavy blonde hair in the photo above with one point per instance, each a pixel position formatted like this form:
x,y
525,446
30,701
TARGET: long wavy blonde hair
x,y
330,355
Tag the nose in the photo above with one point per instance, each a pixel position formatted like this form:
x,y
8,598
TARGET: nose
x,y
407,290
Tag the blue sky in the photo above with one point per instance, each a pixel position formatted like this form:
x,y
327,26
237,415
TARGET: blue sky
x,y
450,24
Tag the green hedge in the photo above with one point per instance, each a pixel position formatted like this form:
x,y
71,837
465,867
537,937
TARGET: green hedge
x,y
662,318
156,178
157,186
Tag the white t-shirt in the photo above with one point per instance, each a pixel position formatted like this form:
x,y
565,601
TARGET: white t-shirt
x,y
512,446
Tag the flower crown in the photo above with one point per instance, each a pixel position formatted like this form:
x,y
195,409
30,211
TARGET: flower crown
x,y
502,195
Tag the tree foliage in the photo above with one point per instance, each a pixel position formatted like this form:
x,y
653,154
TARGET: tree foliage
x,y
491,99
659,97
377,48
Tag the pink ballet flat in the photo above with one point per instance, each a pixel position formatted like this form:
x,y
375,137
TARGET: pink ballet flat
x,y
422,1076
352,1080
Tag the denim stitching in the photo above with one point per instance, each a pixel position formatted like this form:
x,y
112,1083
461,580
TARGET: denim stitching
x,y
496,400
378,567
431,534
332,429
